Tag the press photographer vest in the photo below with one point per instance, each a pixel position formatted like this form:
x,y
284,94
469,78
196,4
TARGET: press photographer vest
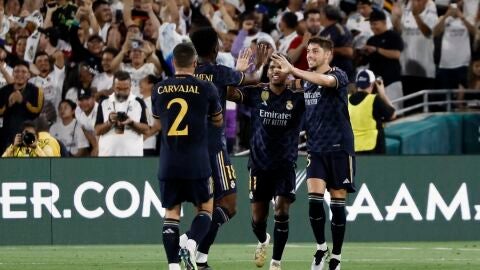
x,y
363,124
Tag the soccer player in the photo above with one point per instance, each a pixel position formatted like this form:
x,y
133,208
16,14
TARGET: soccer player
x,y
277,113
205,41
182,105
331,162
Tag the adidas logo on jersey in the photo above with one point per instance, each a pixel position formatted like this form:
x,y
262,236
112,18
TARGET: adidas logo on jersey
x,y
346,181
168,231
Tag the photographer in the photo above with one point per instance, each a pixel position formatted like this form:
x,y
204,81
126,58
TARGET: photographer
x,y
27,144
121,120
368,111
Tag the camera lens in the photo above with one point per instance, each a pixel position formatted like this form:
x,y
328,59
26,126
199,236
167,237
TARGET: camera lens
x,y
28,138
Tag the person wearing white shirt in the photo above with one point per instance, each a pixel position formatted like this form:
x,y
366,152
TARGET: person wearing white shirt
x,y
69,131
288,25
86,115
121,120
104,16
50,80
455,53
102,82
149,139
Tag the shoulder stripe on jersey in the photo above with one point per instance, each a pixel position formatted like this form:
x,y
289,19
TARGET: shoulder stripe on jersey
x,y
241,81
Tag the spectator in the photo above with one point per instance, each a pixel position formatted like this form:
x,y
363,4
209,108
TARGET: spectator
x,y
341,38
455,31
28,144
69,131
84,80
19,101
61,16
368,112
149,139
86,115
382,52
5,69
298,48
121,120
103,15
49,79
102,82
248,33
288,25
415,20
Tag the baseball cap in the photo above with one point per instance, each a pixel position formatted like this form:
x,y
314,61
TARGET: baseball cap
x,y
365,78
261,9
377,15
84,93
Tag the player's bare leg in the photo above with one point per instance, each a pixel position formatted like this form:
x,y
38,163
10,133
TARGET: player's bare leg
x,y
259,227
281,229
337,206
170,236
316,190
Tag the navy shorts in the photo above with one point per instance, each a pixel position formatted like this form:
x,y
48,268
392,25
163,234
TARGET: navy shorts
x,y
267,184
223,174
175,191
337,168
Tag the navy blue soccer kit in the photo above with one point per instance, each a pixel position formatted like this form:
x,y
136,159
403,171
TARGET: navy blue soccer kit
x,y
183,104
223,172
329,133
276,122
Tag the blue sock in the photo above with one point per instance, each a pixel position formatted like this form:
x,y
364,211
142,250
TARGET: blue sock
x,y
317,216
280,236
220,216
200,226
339,219
170,239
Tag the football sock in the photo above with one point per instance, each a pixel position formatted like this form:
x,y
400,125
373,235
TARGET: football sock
x,y
200,226
260,230
317,216
280,236
170,240
339,218
220,216
174,266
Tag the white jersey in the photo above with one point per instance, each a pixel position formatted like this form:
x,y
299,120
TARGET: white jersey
x,y
51,85
455,44
102,81
87,122
417,56
9,70
284,43
137,75
150,142
130,143
71,135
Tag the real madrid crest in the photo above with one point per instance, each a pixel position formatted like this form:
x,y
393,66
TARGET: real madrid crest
x,y
289,105
265,95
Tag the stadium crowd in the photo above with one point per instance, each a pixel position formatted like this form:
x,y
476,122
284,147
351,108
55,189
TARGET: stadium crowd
x,y
59,58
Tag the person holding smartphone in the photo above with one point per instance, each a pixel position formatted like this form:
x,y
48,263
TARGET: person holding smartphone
x,y
368,111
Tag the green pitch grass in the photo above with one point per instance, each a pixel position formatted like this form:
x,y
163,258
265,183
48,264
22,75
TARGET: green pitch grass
x,y
358,256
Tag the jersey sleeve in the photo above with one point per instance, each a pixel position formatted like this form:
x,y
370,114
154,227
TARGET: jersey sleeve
x,y
214,106
340,76
155,98
230,76
248,94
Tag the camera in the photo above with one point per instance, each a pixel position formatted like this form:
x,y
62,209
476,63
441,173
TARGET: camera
x,y
28,138
136,44
122,116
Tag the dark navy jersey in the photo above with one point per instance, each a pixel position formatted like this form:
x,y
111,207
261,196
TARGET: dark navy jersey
x,y
327,121
222,77
183,104
276,121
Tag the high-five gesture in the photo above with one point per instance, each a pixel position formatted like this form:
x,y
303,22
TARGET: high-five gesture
x,y
243,61
286,67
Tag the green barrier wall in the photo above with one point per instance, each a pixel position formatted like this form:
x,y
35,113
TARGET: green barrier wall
x,y
115,200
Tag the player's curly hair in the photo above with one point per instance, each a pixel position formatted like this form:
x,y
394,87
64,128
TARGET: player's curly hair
x,y
205,40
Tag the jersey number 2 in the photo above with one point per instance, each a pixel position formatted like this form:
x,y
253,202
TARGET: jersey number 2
x,y
173,131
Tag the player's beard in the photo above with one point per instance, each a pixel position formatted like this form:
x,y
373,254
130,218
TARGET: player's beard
x,y
120,97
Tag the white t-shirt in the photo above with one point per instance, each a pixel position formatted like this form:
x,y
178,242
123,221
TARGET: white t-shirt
x,y
87,121
455,44
417,56
137,75
357,22
284,43
71,135
3,81
151,141
102,81
104,31
51,85
130,143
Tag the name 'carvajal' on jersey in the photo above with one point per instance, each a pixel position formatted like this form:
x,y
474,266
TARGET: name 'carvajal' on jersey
x,y
185,88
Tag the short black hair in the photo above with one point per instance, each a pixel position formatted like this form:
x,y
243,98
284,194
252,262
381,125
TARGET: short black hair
x,y
310,11
111,51
122,76
98,3
324,43
290,19
205,40
28,124
151,79
40,53
21,63
184,55
72,104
